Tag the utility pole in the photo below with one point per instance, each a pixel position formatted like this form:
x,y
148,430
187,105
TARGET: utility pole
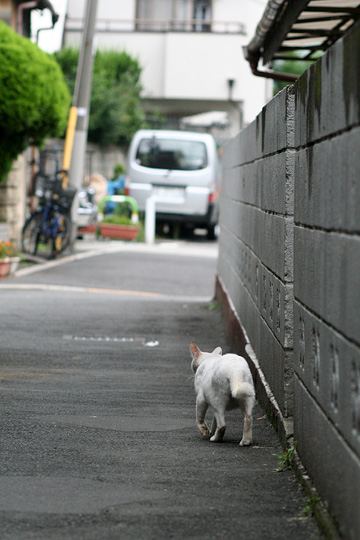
x,y
81,98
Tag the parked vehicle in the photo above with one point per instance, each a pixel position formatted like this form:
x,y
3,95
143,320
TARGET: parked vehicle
x,y
87,210
181,168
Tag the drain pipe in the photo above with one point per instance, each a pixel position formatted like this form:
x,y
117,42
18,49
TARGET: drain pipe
x,y
275,75
252,51
55,19
21,9
253,60
35,4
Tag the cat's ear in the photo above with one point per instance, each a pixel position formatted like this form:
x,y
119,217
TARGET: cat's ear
x,y
218,350
195,354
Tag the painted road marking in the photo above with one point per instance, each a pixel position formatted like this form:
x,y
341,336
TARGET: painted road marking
x,y
97,290
108,339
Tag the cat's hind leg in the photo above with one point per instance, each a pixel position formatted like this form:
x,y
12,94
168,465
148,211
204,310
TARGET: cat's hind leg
x,y
213,426
247,431
219,419
201,408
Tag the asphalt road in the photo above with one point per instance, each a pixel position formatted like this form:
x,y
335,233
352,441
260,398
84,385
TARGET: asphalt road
x,y
98,439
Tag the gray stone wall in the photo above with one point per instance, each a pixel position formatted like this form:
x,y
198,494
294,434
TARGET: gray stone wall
x,y
13,201
290,263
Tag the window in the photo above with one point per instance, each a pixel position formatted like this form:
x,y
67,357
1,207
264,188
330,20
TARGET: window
x,y
170,154
175,15
202,15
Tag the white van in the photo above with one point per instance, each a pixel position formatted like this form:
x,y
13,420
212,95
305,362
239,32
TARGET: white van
x,y
182,169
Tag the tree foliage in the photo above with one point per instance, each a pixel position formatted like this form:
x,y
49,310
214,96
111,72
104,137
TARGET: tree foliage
x,y
294,66
34,98
115,110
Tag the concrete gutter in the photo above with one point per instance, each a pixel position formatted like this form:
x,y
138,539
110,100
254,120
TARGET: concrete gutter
x,y
271,13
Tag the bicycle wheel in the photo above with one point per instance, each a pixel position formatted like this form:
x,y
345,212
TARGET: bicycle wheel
x,y
31,233
63,234
37,237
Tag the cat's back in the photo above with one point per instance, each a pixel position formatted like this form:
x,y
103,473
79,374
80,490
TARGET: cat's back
x,y
223,366
232,364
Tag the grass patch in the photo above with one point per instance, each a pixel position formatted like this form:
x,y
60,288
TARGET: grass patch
x,y
286,459
213,305
311,504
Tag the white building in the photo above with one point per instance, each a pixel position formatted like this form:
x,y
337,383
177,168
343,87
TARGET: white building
x,y
190,52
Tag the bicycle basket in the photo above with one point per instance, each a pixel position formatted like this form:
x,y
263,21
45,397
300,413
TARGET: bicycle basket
x,y
43,186
65,197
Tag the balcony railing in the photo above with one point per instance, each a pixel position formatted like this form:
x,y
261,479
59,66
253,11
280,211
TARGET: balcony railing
x,y
74,24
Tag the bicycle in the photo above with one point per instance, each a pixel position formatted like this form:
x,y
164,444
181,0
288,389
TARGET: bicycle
x,y
47,231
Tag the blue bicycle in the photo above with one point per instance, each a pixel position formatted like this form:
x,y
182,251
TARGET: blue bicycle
x,y
47,231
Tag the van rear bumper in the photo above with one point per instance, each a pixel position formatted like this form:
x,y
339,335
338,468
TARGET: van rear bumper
x,y
186,204
210,218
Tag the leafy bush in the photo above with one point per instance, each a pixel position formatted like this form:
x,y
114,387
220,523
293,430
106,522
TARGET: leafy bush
x,y
118,170
115,111
34,98
117,219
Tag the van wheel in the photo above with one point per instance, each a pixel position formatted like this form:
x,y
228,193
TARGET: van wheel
x,y
211,232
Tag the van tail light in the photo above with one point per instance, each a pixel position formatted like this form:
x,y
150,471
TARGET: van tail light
x,y
213,197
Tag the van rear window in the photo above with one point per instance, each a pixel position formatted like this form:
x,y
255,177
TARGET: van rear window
x,y
168,154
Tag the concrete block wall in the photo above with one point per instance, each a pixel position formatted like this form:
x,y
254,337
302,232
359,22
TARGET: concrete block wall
x,y
327,278
289,261
256,241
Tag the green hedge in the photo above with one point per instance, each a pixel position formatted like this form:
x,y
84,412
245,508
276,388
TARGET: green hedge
x,y
34,98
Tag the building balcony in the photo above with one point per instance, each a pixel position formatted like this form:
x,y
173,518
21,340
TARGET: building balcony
x,y
74,24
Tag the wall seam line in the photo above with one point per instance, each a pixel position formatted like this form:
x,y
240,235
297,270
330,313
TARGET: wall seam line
x,y
283,281
327,137
286,349
328,418
330,325
338,232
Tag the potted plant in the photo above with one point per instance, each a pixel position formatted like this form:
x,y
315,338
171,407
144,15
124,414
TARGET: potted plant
x,y
123,222
9,260
118,227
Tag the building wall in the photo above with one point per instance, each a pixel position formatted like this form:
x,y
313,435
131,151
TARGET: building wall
x,y
13,201
247,11
13,189
187,65
107,9
289,262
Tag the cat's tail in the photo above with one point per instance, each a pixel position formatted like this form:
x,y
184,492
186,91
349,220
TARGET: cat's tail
x,y
241,390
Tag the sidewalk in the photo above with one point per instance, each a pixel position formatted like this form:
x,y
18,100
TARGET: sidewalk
x,y
98,431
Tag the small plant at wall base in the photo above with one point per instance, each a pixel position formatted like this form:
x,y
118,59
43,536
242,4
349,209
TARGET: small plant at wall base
x,y
34,99
312,502
286,458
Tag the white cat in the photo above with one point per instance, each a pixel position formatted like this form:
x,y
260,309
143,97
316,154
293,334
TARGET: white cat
x,y
223,383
